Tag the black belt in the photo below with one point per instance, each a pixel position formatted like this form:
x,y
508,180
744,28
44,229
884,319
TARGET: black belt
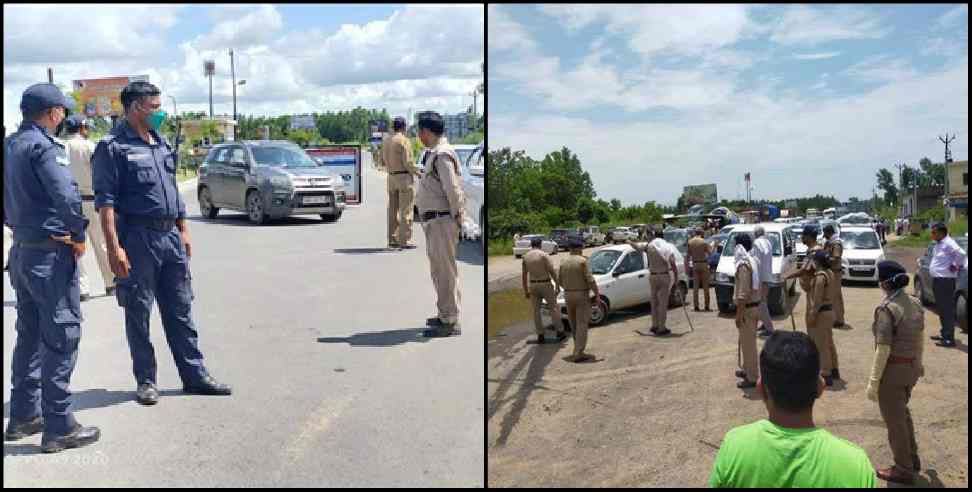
x,y
399,172
540,281
427,216
161,225
660,273
752,304
88,198
825,307
46,245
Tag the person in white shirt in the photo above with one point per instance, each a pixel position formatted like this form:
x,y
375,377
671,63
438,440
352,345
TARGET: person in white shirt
x,y
663,272
947,260
763,254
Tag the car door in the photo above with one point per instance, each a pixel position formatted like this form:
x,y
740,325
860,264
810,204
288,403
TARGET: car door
x,y
631,286
217,176
234,178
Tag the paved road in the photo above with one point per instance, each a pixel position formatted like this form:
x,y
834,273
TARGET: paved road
x,y
320,338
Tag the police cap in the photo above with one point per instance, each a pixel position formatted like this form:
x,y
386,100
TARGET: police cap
x,y
889,269
39,97
811,230
74,123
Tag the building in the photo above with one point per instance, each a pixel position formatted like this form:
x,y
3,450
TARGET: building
x,y
929,197
224,123
957,189
456,126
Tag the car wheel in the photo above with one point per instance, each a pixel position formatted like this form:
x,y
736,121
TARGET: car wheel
x,y
254,208
599,312
920,292
518,256
960,312
331,217
206,207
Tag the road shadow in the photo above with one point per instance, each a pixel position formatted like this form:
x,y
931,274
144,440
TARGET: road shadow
x,y
670,335
100,398
21,449
242,220
470,252
364,251
927,480
534,362
379,338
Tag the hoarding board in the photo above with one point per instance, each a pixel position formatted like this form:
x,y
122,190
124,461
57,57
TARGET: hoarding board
x,y
102,97
343,161
706,192
302,121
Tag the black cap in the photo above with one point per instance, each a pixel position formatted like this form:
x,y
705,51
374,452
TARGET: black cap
x,y
575,243
39,97
74,122
811,230
745,240
888,269
828,229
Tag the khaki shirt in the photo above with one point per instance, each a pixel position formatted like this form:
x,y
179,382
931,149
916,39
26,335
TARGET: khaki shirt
x,y
900,323
537,264
397,155
441,190
743,291
820,291
699,250
806,281
80,150
574,274
836,250
658,255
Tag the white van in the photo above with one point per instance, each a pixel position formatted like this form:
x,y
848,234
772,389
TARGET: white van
x,y
784,261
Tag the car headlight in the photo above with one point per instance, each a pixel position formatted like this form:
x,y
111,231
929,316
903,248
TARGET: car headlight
x,y
281,181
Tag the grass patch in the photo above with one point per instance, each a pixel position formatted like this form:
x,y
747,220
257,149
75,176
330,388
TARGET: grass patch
x,y
955,229
500,247
504,309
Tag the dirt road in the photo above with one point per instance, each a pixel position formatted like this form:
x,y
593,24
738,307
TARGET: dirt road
x,y
652,412
503,272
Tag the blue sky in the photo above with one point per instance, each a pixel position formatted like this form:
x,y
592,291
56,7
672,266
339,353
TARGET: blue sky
x,y
295,58
655,97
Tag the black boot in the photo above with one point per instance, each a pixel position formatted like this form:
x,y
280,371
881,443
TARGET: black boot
x,y
146,394
208,386
19,429
79,436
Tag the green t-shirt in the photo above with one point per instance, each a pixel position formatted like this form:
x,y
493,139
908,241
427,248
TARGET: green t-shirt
x,y
763,454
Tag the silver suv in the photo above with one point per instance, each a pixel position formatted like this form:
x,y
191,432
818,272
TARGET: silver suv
x,y
267,179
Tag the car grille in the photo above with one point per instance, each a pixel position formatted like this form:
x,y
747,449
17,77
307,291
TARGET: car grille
x,y
299,201
862,273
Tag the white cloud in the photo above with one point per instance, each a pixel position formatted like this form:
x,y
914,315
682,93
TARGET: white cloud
x,y
243,29
816,56
794,144
952,16
881,68
507,34
943,47
802,25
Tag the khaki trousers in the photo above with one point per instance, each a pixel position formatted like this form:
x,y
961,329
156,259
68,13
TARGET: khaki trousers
x,y
441,240
700,277
837,294
661,286
100,249
747,342
401,198
893,396
579,314
546,292
822,333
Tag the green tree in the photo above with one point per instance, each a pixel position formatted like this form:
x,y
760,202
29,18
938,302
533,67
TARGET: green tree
x,y
615,204
886,184
585,210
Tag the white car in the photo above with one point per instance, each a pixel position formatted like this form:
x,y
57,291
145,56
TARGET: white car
x,y
592,235
727,229
622,276
474,187
862,252
523,245
621,234
784,261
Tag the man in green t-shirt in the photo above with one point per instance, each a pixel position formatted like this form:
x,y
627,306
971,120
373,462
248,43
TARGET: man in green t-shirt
x,y
788,450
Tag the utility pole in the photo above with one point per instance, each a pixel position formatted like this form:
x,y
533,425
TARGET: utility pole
x,y
946,140
233,72
210,67
900,167
50,75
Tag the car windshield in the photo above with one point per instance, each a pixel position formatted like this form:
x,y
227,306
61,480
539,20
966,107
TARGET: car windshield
x,y
463,155
860,240
603,261
774,238
282,156
530,238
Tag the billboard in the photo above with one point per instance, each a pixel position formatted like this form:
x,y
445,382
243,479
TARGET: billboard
x,y
707,193
302,121
102,97
343,161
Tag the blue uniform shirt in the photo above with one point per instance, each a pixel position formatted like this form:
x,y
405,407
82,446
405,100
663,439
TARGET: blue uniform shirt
x,y
136,178
40,197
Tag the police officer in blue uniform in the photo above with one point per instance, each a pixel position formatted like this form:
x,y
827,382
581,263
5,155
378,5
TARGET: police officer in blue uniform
x,y
42,205
144,221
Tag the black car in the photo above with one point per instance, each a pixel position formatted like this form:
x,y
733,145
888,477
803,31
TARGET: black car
x,y
561,237
923,283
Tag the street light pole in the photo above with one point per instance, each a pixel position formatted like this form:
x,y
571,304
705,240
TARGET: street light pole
x,y
233,73
175,111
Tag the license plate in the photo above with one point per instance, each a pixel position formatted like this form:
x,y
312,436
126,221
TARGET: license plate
x,y
862,269
309,200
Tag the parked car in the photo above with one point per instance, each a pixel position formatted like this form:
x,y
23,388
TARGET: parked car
x,y
727,229
267,179
679,238
592,235
560,236
523,245
923,283
784,260
473,186
622,275
621,234
862,252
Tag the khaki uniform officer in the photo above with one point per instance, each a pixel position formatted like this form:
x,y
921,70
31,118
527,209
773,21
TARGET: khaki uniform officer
x,y
698,252
820,316
578,283
899,325
746,297
835,249
440,201
661,265
397,158
538,271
